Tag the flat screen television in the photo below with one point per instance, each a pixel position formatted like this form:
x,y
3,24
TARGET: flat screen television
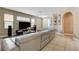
x,y
24,25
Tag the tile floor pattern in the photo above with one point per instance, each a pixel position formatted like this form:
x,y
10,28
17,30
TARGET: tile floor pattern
x,y
61,43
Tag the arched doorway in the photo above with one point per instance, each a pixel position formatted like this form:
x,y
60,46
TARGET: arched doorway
x,y
68,24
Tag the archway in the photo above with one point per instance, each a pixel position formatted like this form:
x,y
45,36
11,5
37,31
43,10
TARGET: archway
x,y
68,24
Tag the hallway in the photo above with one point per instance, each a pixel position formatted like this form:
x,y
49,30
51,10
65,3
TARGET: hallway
x,y
61,43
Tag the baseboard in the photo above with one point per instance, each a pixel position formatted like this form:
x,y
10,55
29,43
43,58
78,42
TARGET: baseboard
x,y
75,37
61,34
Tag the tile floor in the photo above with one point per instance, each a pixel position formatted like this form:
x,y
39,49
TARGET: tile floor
x,y
61,43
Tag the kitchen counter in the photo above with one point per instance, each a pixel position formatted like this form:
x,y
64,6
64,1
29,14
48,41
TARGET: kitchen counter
x,y
16,43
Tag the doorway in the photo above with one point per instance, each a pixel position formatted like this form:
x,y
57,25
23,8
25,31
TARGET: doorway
x,y
68,24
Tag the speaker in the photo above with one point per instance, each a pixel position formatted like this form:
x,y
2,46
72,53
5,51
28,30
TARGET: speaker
x,y
34,28
9,31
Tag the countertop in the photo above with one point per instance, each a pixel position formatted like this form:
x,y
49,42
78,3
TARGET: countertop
x,y
9,43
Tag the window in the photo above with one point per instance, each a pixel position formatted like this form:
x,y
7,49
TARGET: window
x,y
46,23
49,22
32,22
8,20
23,19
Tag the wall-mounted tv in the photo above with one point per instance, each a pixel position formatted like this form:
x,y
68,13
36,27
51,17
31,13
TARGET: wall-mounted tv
x,y
24,25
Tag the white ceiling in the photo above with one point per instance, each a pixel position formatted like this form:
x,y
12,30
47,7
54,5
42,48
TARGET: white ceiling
x,y
38,11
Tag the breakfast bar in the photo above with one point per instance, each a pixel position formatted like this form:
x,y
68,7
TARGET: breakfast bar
x,y
28,42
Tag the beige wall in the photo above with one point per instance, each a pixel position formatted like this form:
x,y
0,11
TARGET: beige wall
x,y
75,12
39,23
15,13
76,22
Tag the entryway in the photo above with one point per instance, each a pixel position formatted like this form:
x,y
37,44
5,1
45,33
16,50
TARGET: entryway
x,y
68,24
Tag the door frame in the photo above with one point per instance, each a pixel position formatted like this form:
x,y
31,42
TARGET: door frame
x,y
63,21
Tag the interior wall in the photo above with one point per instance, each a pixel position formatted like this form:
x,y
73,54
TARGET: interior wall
x,y
48,23
15,13
45,23
39,24
75,12
62,14
76,22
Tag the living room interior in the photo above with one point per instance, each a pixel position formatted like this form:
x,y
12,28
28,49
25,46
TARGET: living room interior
x,y
39,28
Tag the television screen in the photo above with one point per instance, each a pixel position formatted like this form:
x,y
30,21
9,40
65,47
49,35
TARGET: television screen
x,y
24,25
